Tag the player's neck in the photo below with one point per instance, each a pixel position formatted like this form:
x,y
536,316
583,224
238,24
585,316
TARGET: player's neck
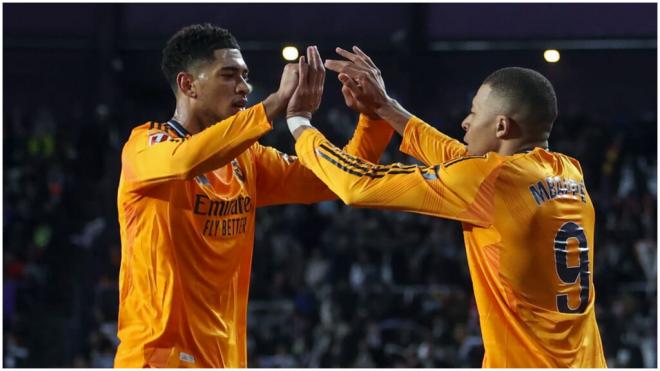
x,y
187,119
509,148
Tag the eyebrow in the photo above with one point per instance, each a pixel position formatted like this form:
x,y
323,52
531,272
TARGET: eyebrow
x,y
234,69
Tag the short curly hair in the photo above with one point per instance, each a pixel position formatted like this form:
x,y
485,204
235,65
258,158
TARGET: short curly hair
x,y
191,45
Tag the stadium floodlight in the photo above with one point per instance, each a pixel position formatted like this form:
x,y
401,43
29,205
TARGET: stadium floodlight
x,y
551,55
290,53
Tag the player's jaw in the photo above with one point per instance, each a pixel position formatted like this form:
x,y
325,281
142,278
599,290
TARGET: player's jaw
x,y
225,108
479,140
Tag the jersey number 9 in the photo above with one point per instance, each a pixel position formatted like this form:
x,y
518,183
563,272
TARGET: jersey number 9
x,y
569,275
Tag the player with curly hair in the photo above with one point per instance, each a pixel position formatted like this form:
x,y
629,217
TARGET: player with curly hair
x,y
187,197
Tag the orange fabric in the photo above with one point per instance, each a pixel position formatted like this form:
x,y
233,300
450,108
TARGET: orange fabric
x,y
187,245
523,218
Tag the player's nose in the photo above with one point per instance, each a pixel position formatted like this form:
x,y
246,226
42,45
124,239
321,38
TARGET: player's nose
x,y
244,88
465,125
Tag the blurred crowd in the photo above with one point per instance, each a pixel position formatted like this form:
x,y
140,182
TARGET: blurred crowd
x,y
331,286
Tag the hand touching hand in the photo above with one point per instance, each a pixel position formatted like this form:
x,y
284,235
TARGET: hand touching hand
x,y
289,81
364,88
307,97
276,103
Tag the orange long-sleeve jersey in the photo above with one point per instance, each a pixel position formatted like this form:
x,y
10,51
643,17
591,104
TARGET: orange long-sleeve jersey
x,y
528,225
186,213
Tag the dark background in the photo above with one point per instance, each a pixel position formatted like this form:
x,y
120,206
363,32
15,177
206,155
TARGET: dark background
x,y
331,286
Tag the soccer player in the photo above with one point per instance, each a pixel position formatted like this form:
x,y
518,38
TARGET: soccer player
x,y
187,197
528,221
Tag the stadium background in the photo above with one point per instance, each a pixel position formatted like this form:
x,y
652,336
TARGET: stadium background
x,y
331,286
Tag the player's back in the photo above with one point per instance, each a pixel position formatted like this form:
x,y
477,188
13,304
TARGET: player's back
x,y
532,269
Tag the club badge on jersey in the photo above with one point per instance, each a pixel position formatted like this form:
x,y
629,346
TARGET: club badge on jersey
x,y
157,138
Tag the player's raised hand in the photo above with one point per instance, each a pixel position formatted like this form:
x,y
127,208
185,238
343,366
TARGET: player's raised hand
x,y
289,81
356,105
364,88
307,97
276,103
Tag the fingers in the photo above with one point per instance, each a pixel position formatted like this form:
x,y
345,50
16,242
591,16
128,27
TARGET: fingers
x,y
349,68
302,71
291,68
359,57
314,57
364,56
335,65
307,96
348,55
349,100
316,65
349,83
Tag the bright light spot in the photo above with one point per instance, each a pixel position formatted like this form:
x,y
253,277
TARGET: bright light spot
x,y
551,55
290,53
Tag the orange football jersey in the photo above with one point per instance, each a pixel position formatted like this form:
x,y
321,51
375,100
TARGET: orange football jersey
x,y
186,212
528,225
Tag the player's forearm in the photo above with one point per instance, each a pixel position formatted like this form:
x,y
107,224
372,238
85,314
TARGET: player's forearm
x,y
395,115
357,182
370,139
307,141
226,140
208,150
275,105
427,144
401,187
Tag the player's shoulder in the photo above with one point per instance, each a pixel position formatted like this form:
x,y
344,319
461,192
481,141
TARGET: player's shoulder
x,y
572,160
150,133
556,160
144,129
149,127
488,160
472,168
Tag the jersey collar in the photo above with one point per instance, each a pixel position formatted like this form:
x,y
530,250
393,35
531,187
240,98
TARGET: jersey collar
x,y
180,130
530,149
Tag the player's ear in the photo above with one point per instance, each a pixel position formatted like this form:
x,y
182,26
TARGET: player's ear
x,y
505,127
186,86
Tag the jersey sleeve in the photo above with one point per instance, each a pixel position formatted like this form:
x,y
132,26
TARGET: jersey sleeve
x,y
283,179
370,139
461,190
147,162
427,144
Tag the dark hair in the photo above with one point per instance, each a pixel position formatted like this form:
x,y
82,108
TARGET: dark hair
x,y
191,45
528,93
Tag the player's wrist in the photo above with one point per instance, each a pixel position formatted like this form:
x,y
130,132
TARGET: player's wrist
x,y
275,105
386,104
297,124
298,113
394,114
